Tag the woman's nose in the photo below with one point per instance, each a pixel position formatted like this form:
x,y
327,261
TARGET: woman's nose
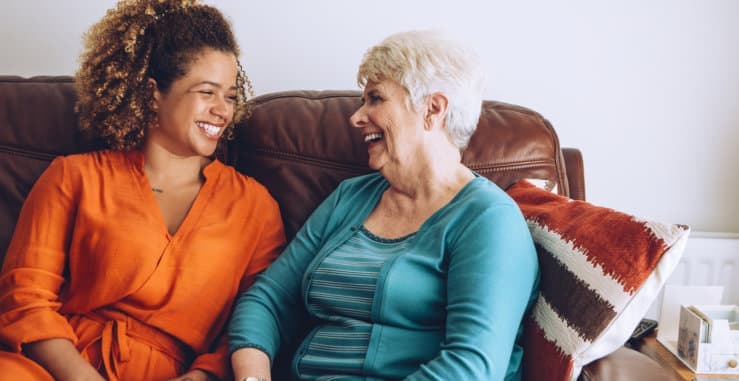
x,y
358,118
222,108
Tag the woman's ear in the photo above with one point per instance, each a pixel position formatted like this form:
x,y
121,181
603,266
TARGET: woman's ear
x,y
156,95
437,106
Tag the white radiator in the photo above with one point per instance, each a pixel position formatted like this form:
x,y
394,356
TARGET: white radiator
x,y
710,259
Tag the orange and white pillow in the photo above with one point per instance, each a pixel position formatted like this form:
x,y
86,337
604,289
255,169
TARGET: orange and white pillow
x,y
600,272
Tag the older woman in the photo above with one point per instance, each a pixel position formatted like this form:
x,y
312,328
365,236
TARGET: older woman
x,y
420,271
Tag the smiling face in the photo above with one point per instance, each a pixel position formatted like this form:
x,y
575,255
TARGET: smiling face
x,y
198,106
392,129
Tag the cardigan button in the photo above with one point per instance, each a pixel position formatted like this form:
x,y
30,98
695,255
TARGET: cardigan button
x,y
732,364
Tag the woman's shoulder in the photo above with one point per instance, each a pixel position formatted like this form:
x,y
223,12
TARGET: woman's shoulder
x,y
486,193
89,163
240,183
76,171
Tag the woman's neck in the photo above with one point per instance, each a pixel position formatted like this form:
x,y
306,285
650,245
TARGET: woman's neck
x,y
165,169
430,182
434,172
407,203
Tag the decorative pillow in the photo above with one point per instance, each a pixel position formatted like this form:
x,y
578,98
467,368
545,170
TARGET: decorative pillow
x,y
600,272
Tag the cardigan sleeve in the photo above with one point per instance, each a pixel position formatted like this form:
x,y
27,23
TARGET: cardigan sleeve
x,y
32,272
492,277
271,311
270,243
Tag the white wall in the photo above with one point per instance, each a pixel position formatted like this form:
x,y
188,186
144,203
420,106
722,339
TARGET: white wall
x,y
648,90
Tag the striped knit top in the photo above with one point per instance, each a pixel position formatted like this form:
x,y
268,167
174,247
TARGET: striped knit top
x,y
342,291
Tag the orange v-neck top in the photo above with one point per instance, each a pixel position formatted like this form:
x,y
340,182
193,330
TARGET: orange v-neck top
x,y
92,244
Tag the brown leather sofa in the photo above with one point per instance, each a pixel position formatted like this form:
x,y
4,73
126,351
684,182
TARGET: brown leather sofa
x,y
300,145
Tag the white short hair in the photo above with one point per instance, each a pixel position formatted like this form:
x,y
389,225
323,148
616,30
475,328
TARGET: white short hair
x,y
425,62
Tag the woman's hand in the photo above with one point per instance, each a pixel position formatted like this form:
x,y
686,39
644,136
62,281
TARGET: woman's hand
x,y
195,375
250,362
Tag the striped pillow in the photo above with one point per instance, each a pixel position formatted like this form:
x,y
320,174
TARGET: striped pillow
x,y
600,272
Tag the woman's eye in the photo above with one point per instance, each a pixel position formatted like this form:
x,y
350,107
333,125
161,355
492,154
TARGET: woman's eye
x,y
371,98
206,92
374,96
233,98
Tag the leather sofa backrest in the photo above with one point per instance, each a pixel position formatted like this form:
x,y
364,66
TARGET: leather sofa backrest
x,y
299,144
37,123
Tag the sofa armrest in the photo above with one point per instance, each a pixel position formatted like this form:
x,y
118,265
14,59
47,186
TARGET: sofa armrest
x,y
575,171
625,365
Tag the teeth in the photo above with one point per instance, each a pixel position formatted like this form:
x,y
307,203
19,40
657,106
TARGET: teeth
x,y
209,128
372,137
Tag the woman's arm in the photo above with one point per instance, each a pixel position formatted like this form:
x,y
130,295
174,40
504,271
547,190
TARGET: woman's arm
x,y
270,241
492,273
272,310
61,358
32,276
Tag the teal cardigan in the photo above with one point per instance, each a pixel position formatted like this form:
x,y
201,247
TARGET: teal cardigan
x,y
449,309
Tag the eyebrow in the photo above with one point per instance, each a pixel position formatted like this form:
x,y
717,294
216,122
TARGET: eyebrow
x,y
213,84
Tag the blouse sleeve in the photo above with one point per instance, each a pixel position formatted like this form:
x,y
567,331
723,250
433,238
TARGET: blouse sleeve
x,y
270,243
271,311
32,273
492,276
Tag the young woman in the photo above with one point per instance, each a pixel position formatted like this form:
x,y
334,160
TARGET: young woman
x,y
125,262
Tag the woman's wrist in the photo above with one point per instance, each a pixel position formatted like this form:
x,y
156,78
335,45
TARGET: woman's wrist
x,y
250,364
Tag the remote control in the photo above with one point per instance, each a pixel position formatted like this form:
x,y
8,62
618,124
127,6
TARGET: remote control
x,y
645,327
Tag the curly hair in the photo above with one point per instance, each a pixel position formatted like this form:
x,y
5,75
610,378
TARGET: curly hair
x,y
142,39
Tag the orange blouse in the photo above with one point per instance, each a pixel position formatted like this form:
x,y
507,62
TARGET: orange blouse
x,y
91,245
